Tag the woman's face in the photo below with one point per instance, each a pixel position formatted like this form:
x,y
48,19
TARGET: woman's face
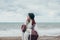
x,y
28,18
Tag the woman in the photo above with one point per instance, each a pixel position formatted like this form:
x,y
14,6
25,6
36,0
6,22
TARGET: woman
x,y
29,28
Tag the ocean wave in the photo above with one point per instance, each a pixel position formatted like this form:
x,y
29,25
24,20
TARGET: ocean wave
x,y
42,32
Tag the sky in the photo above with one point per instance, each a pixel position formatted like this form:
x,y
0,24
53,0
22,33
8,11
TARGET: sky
x,y
17,10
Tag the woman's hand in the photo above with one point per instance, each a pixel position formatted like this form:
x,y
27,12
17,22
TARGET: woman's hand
x,y
23,27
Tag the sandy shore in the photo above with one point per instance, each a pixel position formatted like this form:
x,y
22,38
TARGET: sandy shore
x,y
49,38
40,38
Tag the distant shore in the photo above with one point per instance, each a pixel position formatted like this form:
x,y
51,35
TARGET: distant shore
x,y
40,38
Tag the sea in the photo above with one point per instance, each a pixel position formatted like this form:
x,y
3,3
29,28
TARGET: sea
x,y
14,29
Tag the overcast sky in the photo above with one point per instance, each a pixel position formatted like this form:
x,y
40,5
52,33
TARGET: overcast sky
x,y
17,10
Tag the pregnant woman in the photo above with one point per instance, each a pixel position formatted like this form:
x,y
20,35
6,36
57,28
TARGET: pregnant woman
x,y
29,28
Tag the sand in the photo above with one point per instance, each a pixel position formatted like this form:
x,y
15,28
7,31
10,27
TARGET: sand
x,y
40,38
49,38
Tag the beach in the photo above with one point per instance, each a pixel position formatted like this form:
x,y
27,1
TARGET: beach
x,y
47,31
40,38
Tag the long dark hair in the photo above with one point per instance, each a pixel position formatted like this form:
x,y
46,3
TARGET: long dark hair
x,y
32,16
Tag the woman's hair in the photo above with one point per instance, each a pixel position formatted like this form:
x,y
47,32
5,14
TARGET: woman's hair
x,y
31,15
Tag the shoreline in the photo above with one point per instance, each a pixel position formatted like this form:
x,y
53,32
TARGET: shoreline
x,y
40,38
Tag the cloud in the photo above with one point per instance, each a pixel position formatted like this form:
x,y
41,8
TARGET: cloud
x,y
17,10
10,17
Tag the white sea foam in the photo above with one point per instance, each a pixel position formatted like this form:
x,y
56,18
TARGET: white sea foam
x,y
45,29
45,32
49,32
9,33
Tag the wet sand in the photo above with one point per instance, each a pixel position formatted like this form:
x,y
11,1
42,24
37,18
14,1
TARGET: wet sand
x,y
49,38
40,38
